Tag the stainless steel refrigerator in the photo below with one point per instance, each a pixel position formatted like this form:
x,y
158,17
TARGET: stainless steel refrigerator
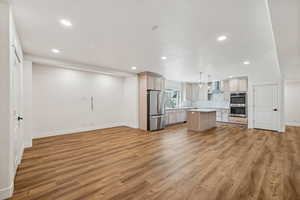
x,y
156,110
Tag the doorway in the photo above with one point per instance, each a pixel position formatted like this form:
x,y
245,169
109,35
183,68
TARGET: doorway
x,y
266,106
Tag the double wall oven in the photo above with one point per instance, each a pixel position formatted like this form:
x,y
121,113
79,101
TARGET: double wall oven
x,y
238,105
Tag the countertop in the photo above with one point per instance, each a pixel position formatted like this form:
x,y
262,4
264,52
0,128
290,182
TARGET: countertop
x,y
180,108
205,108
202,110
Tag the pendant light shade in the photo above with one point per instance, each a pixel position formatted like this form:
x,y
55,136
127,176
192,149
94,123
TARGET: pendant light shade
x,y
200,80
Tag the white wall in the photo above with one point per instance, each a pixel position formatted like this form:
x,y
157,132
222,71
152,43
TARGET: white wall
x,y
6,161
61,101
292,105
131,102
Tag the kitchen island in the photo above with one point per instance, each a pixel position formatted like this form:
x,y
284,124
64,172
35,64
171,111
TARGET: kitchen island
x,y
201,119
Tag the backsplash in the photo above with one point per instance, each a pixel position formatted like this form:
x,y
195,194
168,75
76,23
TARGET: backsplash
x,y
210,104
217,101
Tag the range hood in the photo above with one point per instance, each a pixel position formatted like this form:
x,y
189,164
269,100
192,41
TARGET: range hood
x,y
215,87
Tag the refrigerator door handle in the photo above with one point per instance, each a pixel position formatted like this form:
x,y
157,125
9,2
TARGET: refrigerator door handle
x,y
158,116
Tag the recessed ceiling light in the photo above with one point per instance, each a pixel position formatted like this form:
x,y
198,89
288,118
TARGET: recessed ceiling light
x,y
154,27
246,62
230,76
65,22
133,68
55,51
164,58
222,38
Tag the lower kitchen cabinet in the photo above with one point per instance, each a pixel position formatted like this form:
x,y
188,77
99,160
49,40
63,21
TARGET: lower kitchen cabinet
x,y
222,115
175,116
238,120
172,117
219,115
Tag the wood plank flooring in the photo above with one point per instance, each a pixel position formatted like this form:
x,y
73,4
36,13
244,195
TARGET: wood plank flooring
x,y
226,163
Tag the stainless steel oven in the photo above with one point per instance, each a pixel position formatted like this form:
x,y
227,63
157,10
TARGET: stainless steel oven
x,y
238,111
238,105
238,98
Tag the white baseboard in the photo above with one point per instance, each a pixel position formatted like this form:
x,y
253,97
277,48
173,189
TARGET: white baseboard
x,y
6,192
20,156
76,130
28,144
132,125
292,123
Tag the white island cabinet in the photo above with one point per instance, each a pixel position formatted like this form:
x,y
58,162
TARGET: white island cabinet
x,y
201,119
174,116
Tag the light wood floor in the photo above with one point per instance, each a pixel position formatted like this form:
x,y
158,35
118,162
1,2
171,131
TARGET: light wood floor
x,y
226,163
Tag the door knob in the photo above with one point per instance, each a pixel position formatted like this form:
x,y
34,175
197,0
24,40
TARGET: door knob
x,y
20,118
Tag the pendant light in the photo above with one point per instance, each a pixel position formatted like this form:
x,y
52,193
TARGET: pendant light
x,y
200,81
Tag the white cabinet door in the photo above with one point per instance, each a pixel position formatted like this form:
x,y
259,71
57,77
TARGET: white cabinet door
x,y
188,91
162,83
224,86
227,96
219,116
178,114
238,85
243,85
182,116
195,92
150,83
233,85
193,88
173,117
203,94
225,115
157,82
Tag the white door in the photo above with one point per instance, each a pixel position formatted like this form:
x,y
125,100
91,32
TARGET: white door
x,y
17,109
266,115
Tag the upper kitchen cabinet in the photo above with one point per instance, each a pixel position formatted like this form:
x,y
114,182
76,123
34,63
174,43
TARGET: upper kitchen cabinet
x,y
155,82
243,85
238,85
203,92
195,92
224,86
233,85
188,90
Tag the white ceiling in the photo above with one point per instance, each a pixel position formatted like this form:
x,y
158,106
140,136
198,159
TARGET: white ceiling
x,y
118,34
286,24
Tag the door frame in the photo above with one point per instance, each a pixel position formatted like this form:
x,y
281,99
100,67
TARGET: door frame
x,y
17,102
278,126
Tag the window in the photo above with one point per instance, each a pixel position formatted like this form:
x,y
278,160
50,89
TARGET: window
x,y
173,99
